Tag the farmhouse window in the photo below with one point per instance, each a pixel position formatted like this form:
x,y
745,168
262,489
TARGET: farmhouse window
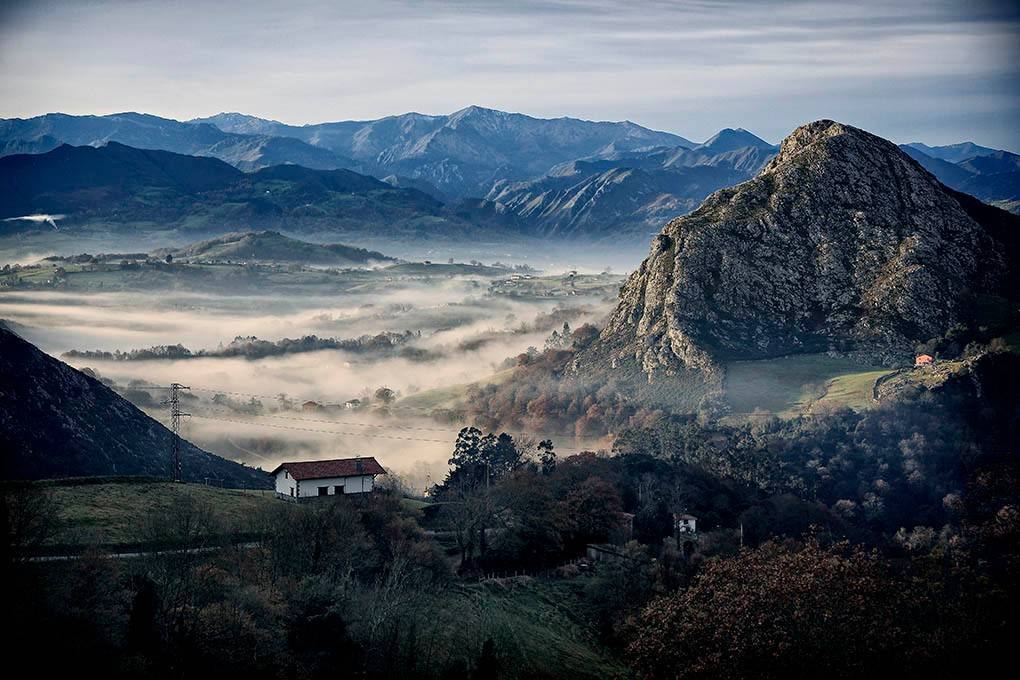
x,y
323,490
338,489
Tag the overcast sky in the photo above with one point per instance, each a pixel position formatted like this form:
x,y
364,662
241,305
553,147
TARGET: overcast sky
x,y
939,71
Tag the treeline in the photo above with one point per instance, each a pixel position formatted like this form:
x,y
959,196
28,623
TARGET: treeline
x,y
903,464
327,586
874,542
251,347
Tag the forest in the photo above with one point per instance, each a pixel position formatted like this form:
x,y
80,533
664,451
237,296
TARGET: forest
x,y
851,542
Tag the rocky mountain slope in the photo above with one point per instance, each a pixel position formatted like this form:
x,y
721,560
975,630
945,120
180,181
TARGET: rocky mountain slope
x,y
610,200
841,241
244,151
56,421
626,195
272,246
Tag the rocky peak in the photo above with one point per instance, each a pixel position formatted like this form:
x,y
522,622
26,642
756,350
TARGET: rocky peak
x,y
841,241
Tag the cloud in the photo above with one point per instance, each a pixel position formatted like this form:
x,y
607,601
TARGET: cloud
x,y
38,219
688,67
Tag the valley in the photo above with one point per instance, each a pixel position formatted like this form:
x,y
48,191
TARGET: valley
x,y
485,395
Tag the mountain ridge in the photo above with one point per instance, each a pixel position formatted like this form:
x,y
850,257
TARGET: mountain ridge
x,y
841,241
117,187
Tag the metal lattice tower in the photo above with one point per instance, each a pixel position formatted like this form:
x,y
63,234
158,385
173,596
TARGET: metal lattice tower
x,y
175,429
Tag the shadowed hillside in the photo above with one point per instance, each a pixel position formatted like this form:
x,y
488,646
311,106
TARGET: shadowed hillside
x,y
56,421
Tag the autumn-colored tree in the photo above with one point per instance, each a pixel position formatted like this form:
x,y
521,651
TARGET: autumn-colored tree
x,y
592,509
780,612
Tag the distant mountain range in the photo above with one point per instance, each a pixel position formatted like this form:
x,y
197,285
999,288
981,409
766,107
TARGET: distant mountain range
x,y
244,151
632,192
462,154
989,174
476,171
56,421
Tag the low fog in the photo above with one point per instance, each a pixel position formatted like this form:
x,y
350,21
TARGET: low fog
x,y
466,335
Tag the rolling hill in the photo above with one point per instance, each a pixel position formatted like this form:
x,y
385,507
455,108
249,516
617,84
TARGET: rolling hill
x,y
117,187
272,246
56,421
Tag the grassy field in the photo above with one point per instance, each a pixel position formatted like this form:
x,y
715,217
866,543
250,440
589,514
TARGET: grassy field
x,y
796,385
112,514
538,623
557,285
140,275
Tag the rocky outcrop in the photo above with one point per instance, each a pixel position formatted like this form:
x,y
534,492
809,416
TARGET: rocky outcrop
x,y
842,241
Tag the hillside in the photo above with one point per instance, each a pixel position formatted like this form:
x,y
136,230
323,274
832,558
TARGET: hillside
x,y
121,187
841,242
272,246
610,199
71,179
56,421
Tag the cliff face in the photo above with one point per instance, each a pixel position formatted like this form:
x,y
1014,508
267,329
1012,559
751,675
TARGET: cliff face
x,y
841,241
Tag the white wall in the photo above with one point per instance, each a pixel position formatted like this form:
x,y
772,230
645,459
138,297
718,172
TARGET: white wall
x,y
284,483
310,487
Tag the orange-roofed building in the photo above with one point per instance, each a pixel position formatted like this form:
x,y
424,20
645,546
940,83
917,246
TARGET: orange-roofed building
x,y
924,360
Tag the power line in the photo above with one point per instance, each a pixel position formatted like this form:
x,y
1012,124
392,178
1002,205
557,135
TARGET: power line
x,y
550,435
175,429
309,429
444,430
347,433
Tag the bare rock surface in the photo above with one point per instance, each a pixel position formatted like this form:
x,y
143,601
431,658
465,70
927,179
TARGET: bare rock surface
x,y
842,241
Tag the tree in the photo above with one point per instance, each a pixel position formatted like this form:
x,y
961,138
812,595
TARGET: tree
x,y
780,612
593,509
546,457
385,395
28,518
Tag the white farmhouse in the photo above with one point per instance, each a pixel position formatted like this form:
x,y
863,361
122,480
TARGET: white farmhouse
x,y
326,477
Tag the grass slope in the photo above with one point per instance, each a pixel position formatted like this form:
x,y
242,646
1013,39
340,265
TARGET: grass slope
x,y
795,385
536,625
111,515
451,397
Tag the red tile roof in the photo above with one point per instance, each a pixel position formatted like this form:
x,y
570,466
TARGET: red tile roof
x,y
341,467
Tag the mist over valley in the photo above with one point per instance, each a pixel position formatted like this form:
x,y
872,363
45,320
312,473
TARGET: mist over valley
x,y
498,341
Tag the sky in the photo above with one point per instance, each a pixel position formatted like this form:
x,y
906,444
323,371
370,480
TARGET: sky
x,y
939,71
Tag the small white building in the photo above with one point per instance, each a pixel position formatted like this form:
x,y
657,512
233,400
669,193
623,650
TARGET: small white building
x,y
315,478
685,524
